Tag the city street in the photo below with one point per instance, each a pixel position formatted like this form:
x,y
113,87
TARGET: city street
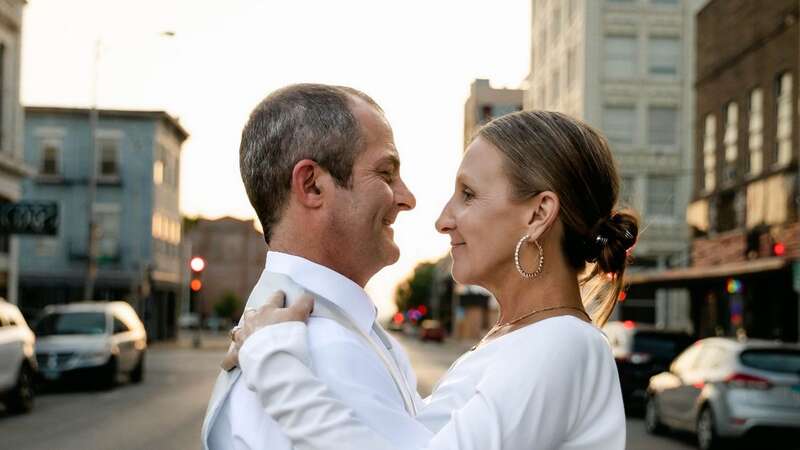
x,y
164,412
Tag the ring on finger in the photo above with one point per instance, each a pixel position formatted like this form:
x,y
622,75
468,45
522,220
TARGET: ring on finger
x,y
234,330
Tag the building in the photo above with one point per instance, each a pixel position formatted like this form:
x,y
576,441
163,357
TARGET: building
x,y
485,103
138,223
234,252
745,274
12,165
624,67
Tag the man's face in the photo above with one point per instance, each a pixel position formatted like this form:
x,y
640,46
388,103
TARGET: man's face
x,y
363,215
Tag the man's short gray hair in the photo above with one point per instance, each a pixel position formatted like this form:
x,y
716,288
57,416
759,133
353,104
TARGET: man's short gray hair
x,y
300,121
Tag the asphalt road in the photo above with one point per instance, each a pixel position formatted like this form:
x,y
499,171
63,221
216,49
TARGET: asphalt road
x,y
164,412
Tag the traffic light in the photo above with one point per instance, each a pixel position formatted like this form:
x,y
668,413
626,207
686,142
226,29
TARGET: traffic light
x,y
197,264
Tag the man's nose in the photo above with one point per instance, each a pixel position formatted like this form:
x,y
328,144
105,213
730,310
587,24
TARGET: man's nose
x,y
404,198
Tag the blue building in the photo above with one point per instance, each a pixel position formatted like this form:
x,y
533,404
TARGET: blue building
x,y
138,223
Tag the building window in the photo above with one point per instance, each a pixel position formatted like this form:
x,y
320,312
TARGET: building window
x,y
541,99
709,152
664,2
486,113
755,140
621,56
107,221
664,57
571,62
661,196
662,126
783,135
108,158
570,10
158,165
619,124
731,140
555,85
50,164
627,191
556,28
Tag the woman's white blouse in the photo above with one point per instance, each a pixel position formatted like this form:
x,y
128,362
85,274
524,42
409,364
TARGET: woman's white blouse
x,y
550,385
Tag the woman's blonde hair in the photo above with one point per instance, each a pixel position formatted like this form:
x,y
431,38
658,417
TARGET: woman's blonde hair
x,y
550,151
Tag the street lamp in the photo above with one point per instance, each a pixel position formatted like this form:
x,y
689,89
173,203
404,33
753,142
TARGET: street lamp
x,y
91,246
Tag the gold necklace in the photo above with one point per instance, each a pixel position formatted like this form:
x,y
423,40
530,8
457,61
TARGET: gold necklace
x,y
499,326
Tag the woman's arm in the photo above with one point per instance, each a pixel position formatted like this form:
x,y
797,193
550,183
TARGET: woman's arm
x,y
275,363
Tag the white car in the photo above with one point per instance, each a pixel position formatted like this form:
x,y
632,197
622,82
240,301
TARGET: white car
x,y
102,339
17,361
721,388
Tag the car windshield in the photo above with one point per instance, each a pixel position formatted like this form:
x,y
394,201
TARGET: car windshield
x,y
775,360
72,323
660,345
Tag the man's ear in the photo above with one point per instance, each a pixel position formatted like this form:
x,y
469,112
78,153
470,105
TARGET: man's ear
x,y
308,183
543,214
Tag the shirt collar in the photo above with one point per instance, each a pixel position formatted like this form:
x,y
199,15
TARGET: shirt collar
x,y
342,291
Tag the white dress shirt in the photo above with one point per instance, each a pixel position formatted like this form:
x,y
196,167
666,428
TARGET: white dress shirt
x,y
549,385
339,358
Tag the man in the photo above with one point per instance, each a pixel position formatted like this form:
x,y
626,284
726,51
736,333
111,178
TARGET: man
x,y
322,172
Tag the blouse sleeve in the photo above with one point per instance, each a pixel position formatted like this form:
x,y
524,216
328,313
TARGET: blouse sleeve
x,y
502,413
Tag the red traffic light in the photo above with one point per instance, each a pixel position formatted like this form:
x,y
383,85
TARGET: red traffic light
x,y
779,249
197,264
196,285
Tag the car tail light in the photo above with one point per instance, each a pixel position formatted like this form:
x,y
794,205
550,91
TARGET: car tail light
x,y
742,380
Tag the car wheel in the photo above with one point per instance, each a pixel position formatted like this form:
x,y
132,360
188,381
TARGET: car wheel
x,y
137,374
707,438
108,374
20,399
652,418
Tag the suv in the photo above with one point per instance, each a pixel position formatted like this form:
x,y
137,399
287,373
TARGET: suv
x,y
641,351
721,388
96,338
17,361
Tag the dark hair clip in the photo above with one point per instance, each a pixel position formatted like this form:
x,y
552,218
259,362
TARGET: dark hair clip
x,y
601,240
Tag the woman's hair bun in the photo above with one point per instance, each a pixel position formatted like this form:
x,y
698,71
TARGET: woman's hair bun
x,y
610,241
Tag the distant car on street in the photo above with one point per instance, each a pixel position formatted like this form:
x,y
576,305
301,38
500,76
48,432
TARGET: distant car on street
x,y
431,330
17,360
100,339
723,388
641,351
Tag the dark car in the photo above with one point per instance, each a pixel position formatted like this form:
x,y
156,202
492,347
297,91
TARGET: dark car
x,y
641,351
431,330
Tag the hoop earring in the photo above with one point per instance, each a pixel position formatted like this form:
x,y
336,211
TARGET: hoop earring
x,y
519,266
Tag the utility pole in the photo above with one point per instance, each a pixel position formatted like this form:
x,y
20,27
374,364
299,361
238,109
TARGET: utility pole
x,y
91,243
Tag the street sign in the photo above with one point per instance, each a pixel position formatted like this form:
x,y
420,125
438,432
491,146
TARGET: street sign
x,y
29,218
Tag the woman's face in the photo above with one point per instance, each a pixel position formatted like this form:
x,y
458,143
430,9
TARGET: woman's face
x,y
483,222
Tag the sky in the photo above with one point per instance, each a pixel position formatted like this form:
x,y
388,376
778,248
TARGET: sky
x,y
416,58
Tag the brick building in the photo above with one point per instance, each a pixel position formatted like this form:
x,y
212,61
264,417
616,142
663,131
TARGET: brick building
x,y
234,252
745,249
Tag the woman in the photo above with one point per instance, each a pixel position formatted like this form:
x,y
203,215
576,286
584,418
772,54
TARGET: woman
x,y
533,205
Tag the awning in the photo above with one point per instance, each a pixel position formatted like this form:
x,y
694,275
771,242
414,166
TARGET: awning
x,y
691,275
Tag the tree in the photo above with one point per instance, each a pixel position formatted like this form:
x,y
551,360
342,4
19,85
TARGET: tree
x,y
227,305
416,289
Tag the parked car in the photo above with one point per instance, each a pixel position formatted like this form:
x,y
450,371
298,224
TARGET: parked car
x,y
17,360
431,330
641,351
100,339
723,388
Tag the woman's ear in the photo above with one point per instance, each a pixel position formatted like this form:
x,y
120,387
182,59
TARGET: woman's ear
x,y
543,213
308,183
